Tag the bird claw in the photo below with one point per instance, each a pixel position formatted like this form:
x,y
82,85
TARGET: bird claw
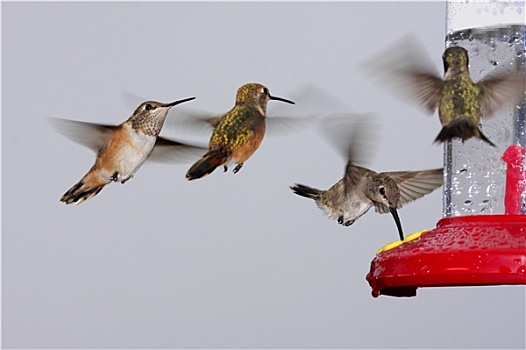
x,y
114,177
225,168
237,168
348,223
345,223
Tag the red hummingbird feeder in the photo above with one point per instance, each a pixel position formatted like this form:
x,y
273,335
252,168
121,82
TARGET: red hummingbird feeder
x,y
481,240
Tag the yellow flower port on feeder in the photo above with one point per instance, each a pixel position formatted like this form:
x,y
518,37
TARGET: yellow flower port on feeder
x,y
395,244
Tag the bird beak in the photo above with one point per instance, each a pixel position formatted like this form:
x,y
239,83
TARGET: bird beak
x,y
280,99
397,221
170,105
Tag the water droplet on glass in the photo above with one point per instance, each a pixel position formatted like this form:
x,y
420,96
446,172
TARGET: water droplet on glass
x,y
492,46
473,189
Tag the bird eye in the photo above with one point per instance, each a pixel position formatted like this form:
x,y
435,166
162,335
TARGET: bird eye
x,y
149,107
382,190
265,91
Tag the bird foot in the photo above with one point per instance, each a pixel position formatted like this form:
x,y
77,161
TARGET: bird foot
x,y
348,223
114,177
237,168
225,168
345,223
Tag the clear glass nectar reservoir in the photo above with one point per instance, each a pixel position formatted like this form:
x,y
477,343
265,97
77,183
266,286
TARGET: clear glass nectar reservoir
x,y
477,174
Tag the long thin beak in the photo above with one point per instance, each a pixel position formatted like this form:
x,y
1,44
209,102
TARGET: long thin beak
x,y
398,223
179,101
280,99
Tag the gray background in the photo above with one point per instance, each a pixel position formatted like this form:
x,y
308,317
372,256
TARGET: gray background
x,y
228,260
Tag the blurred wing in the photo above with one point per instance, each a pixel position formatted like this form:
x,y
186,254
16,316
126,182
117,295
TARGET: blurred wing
x,y
169,151
406,70
309,100
354,177
132,101
93,136
355,136
192,121
279,126
311,103
416,184
423,88
495,92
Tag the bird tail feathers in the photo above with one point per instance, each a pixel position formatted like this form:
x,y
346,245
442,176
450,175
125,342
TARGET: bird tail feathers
x,y
88,187
463,129
204,166
306,191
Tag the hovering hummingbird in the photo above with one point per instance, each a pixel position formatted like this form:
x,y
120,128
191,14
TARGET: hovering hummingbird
x,y
121,149
461,102
238,133
361,188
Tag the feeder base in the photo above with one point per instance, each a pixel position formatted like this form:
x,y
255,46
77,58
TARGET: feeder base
x,y
474,250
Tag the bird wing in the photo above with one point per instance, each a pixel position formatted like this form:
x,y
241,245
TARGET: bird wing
x,y
193,121
354,176
416,184
311,102
282,126
170,151
354,136
423,87
408,71
497,91
91,135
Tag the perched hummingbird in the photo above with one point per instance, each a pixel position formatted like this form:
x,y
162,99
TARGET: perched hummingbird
x,y
238,133
361,188
461,102
121,149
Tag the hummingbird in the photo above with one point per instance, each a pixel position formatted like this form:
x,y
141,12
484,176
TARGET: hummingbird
x,y
361,188
238,133
461,102
121,149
